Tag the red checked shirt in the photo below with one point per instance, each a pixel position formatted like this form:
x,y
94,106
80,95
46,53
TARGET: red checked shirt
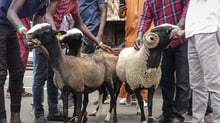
x,y
163,11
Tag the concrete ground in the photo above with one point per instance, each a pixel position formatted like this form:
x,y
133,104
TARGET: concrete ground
x,y
125,114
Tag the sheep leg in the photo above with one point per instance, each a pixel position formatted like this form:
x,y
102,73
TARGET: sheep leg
x,y
65,105
112,103
85,103
151,91
117,86
141,104
74,117
78,106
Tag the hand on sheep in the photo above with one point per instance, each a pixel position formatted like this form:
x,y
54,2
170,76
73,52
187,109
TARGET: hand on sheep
x,y
106,48
33,43
138,43
176,33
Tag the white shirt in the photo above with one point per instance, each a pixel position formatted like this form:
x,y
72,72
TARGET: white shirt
x,y
203,16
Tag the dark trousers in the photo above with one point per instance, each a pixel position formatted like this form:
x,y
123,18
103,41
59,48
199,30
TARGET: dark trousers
x,y
89,48
175,81
10,60
44,72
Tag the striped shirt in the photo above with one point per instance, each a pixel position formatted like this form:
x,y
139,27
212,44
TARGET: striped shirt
x,y
65,7
163,11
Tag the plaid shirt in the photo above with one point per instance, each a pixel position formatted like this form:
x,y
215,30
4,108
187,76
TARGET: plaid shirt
x,y
163,11
65,7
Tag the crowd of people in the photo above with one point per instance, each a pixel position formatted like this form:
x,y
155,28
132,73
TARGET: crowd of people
x,y
190,70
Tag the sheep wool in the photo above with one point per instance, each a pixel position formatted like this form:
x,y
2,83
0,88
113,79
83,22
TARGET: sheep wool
x,y
132,68
71,32
37,27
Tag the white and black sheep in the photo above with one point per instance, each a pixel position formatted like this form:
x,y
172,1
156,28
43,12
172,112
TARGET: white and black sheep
x,y
73,73
141,68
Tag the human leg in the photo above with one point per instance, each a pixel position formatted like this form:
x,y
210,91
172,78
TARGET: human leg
x,y
16,74
52,91
182,92
210,58
199,91
167,84
39,81
34,73
3,71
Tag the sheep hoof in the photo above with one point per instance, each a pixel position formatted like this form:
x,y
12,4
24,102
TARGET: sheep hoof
x,y
138,113
73,119
108,116
93,113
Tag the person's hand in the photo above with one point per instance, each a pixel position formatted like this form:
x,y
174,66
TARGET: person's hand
x,y
32,43
176,33
138,43
105,48
25,40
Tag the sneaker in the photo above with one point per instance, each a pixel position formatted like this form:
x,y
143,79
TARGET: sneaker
x,y
26,94
122,101
55,117
40,119
163,119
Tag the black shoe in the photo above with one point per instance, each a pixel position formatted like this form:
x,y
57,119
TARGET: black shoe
x,y
55,117
162,118
176,120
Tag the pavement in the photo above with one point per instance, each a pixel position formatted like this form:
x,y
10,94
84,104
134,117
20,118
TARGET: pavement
x,y
125,113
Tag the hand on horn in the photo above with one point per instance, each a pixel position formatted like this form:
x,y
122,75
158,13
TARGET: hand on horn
x,y
176,33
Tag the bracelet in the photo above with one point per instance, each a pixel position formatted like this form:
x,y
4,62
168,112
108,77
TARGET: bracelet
x,y
100,43
22,29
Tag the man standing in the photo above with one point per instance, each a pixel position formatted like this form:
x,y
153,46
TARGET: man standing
x,y
175,63
203,33
93,14
10,13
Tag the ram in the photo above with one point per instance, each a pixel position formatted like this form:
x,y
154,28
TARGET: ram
x,y
141,68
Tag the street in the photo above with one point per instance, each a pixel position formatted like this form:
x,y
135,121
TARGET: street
x,y
125,113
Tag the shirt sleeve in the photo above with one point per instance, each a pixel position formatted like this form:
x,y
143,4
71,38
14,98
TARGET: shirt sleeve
x,y
102,1
75,9
145,18
186,3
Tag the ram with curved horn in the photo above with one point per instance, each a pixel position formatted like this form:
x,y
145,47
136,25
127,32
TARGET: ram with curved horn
x,y
141,69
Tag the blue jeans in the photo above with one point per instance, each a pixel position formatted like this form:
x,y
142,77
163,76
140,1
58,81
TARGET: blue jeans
x,y
44,72
175,81
10,60
34,72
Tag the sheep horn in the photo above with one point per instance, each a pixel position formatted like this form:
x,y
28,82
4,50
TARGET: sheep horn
x,y
151,39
